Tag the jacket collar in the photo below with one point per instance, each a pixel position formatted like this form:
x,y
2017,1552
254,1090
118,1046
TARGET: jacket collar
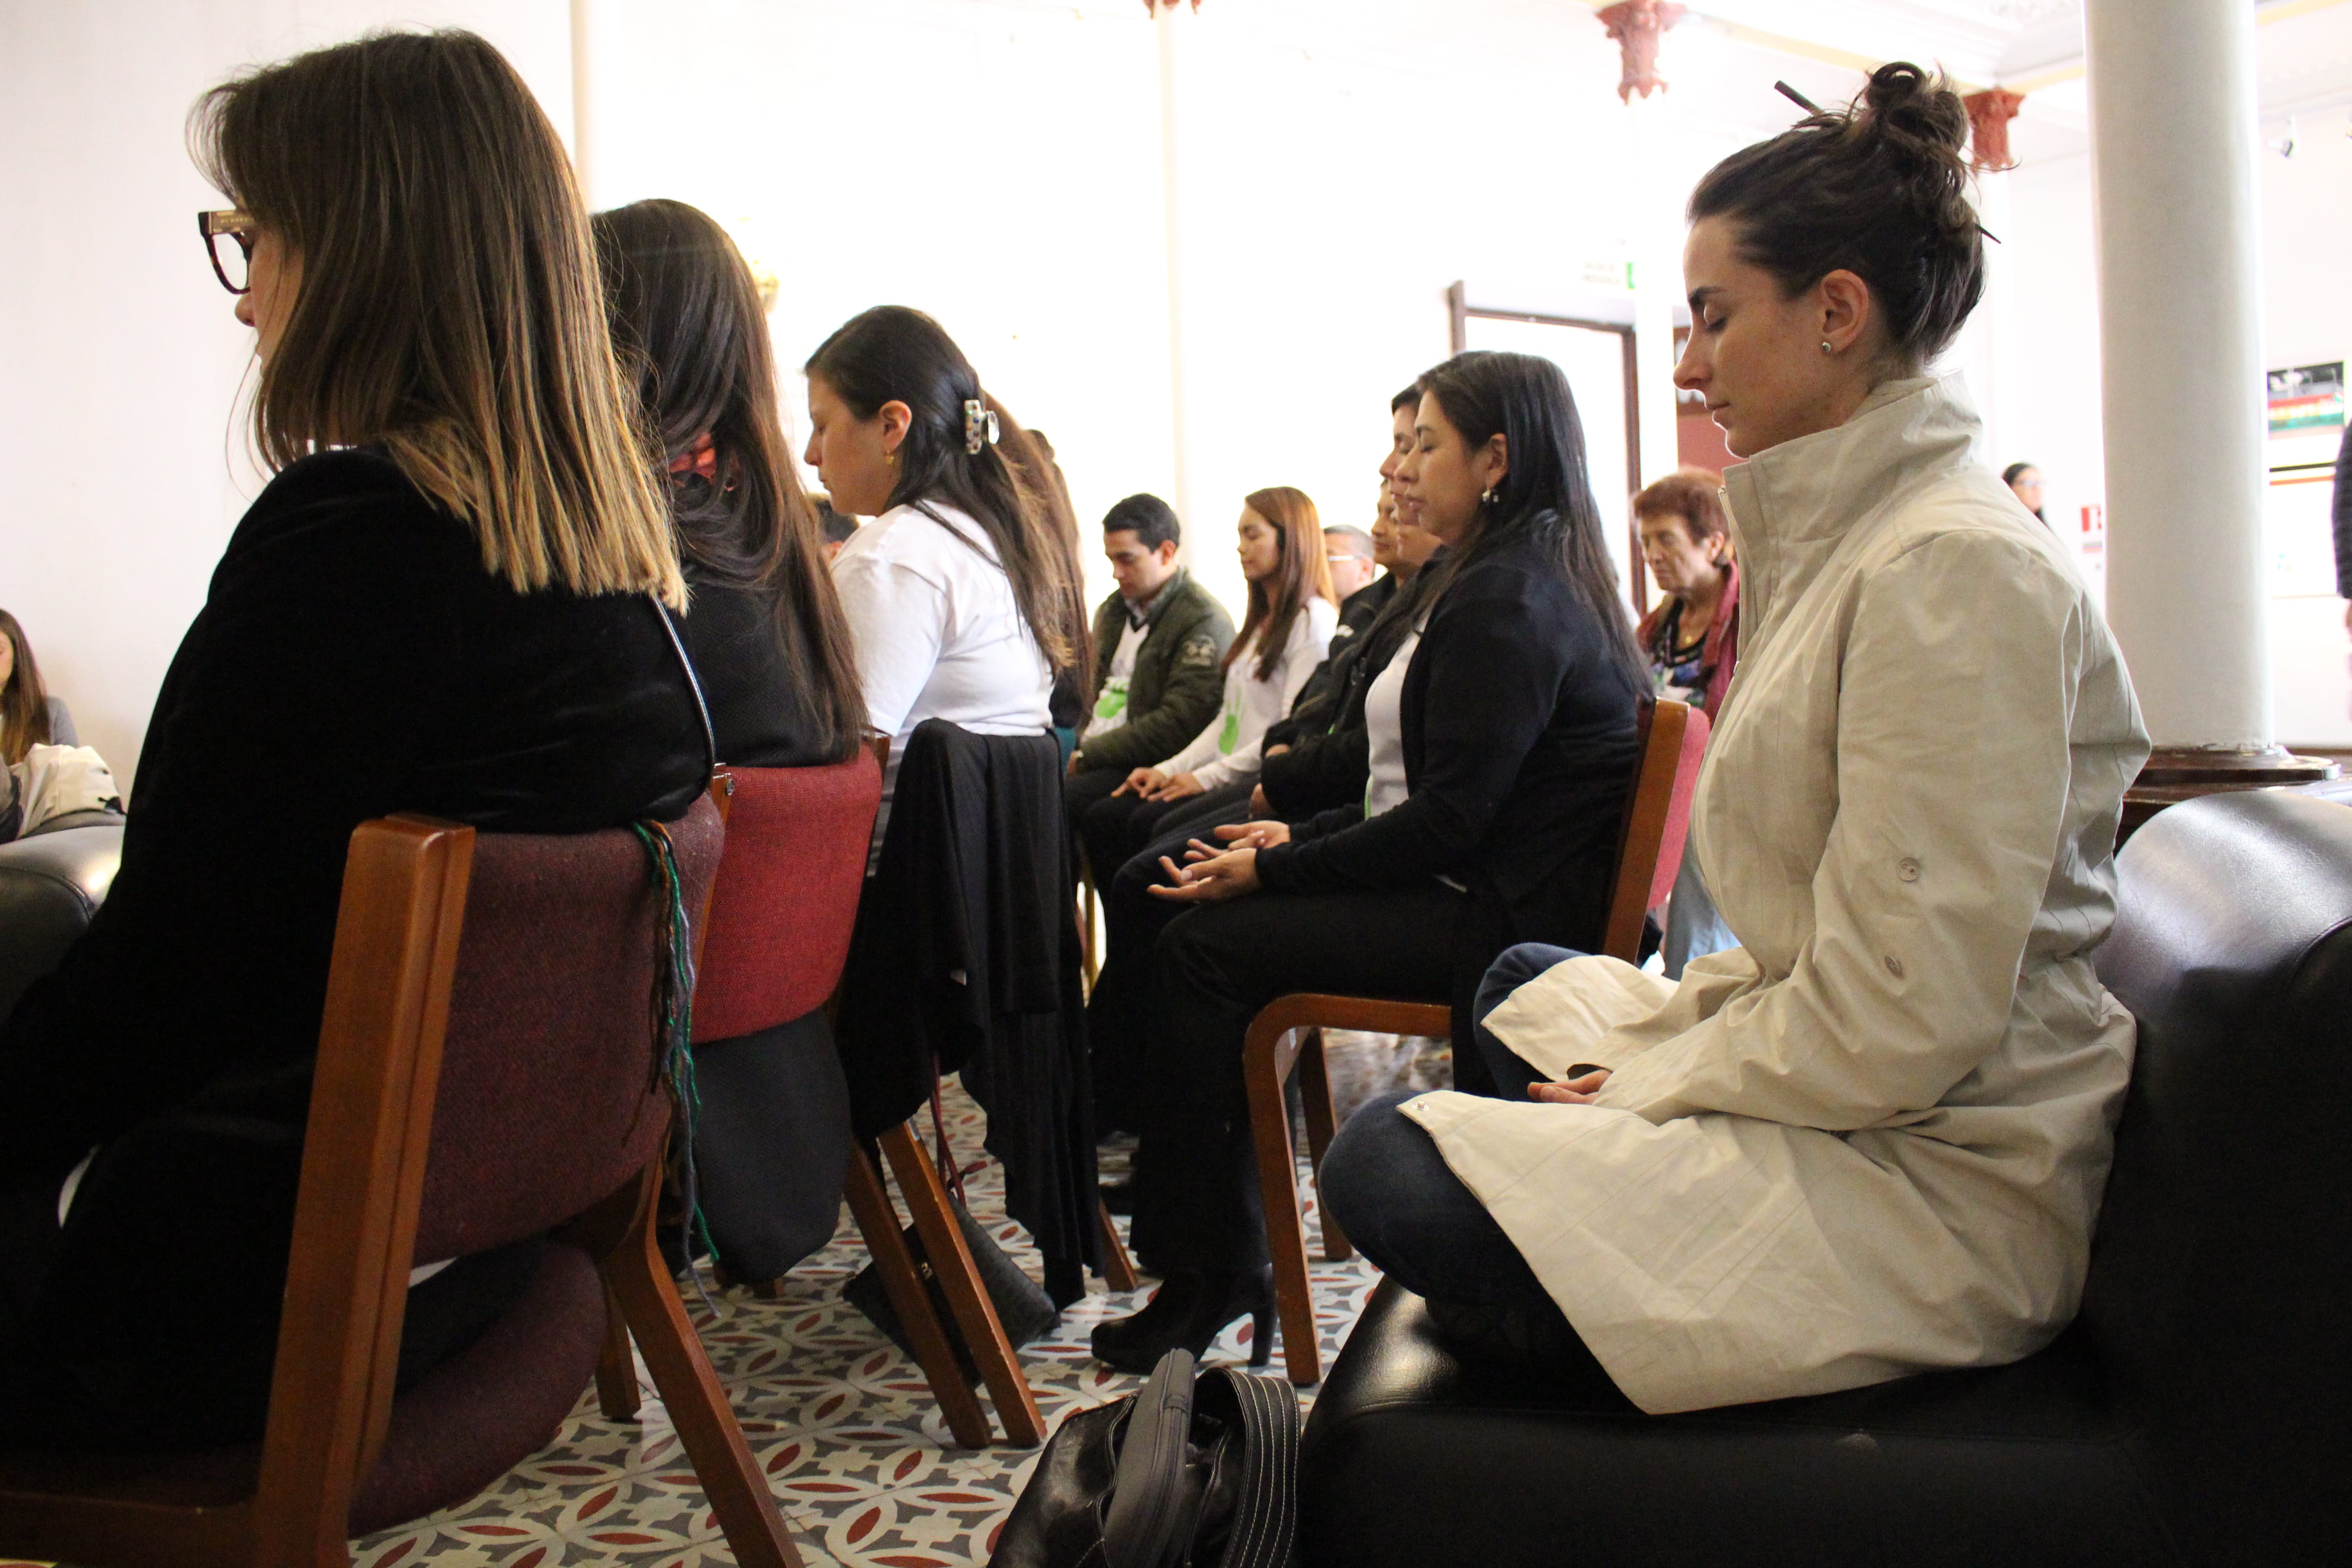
x,y
1793,505
1147,613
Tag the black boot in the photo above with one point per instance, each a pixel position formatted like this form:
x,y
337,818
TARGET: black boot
x,y
1190,1309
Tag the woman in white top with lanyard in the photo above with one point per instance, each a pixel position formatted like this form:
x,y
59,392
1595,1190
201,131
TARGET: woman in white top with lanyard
x,y
964,599
1284,636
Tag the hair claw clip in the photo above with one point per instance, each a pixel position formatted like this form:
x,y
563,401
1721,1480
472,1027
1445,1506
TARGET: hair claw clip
x,y
979,426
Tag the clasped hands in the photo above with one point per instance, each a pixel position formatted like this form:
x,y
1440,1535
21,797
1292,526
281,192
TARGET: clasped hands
x,y
1151,783
1211,873
1582,1088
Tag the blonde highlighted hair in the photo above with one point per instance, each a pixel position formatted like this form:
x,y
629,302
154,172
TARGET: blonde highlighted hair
x,y
449,308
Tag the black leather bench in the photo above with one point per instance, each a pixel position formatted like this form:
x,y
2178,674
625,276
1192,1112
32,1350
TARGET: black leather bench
x,y
51,881
2198,1411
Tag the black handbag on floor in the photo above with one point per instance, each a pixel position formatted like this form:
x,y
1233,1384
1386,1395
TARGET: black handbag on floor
x,y
1021,1303
1186,1473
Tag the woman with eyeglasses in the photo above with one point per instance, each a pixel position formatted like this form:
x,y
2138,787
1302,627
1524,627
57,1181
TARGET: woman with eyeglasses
x,y
453,598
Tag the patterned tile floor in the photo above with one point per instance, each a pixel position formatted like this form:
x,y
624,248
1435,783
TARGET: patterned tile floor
x,y
844,1425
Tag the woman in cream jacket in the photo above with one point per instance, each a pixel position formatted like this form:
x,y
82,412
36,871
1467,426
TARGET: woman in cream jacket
x,y
1872,1138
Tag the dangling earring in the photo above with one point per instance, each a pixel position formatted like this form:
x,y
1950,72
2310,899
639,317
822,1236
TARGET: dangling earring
x,y
892,457
1487,497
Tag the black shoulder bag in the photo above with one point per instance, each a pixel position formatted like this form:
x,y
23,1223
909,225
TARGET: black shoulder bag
x,y
1186,1473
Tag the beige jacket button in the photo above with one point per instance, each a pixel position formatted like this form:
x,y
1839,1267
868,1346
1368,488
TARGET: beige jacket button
x,y
1895,966
1908,869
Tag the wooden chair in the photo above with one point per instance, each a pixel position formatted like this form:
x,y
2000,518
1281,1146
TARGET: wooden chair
x,y
484,1076
1287,1032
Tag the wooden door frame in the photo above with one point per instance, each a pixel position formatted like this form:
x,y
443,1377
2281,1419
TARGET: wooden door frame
x,y
1459,312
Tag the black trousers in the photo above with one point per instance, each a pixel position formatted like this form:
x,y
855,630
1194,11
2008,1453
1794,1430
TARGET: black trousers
x,y
1196,1203
1125,1009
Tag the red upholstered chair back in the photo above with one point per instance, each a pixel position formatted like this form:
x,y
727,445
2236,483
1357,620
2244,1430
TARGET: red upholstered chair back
x,y
1657,820
549,1097
787,894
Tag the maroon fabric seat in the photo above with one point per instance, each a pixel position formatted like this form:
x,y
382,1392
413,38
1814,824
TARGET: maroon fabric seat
x,y
773,1139
787,894
548,1102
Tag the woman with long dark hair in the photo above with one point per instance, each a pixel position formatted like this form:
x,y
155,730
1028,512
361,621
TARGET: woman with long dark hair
x,y
764,624
1872,1138
451,599
964,596
30,716
1502,739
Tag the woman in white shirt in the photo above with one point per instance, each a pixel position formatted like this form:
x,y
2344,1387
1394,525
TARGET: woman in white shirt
x,y
964,599
1284,636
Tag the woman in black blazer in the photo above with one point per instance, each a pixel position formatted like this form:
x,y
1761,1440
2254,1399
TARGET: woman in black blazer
x,y
1517,724
452,599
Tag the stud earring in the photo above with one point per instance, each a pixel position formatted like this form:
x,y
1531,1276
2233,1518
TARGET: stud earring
x,y
1487,497
1825,345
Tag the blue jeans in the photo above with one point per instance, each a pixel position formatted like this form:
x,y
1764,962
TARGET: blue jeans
x,y
1389,1188
1518,965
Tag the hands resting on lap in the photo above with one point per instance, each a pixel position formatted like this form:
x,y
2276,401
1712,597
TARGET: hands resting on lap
x,y
1581,1089
1212,873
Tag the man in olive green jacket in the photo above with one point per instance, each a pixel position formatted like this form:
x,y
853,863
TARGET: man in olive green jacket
x,y
1160,646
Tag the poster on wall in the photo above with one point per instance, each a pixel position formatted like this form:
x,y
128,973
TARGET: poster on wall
x,y
2306,398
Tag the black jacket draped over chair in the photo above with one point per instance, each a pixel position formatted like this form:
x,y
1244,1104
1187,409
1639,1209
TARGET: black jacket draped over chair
x,y
966,956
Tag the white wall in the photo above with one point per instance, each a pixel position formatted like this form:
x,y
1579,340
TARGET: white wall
x,y
999,163
994,161
121,366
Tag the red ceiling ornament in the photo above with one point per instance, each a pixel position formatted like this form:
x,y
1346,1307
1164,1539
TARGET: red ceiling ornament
x,y
1989,112
1637,25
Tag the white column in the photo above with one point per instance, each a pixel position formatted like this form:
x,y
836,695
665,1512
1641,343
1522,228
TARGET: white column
x,y
1995,363
584,99
1657,284
1176,24
2174,146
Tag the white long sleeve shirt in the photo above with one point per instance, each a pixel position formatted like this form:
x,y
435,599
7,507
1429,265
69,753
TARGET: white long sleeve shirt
x,y
939,634
1229,750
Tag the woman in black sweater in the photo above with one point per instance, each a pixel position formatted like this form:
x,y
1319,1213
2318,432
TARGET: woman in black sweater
x,y
1514,735
452,599
765,626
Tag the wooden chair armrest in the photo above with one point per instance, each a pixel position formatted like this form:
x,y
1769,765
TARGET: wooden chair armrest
x,y
1312,1010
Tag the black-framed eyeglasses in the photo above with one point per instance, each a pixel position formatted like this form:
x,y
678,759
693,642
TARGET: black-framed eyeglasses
x,y
231,264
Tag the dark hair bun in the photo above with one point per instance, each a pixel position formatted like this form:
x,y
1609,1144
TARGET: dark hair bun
x,y
1880,189
1907,108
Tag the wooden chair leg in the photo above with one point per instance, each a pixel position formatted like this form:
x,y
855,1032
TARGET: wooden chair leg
x,y
1265,1062
1322,1123
959,1277
617,1393
877,1221
733,1481
1119,1268
1092,964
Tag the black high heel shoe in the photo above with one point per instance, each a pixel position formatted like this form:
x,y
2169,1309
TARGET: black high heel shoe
x,y
1192,1309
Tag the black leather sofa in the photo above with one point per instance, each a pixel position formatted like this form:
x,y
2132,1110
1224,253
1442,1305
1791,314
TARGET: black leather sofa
x,y
51,881
2198,1412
